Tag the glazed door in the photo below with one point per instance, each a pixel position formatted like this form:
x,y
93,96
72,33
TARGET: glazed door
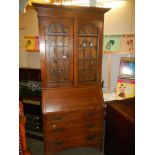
x,y
57,36
88,51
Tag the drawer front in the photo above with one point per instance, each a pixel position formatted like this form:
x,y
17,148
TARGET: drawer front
x,y
71,128
74,115
90,139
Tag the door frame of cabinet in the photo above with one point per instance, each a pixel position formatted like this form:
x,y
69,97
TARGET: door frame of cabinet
x,y
46,21
99,58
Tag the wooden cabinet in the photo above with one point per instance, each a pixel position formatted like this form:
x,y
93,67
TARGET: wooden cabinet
x,y
120,127
71,58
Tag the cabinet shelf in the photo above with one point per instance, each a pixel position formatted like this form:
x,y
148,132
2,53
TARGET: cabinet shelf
x,y
33,102
60,71
83,59
87,35
58,46
35,134
88,70
55,59
35,98
88,46
56,34
88,81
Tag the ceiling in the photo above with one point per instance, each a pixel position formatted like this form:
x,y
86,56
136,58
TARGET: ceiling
x,y
95,3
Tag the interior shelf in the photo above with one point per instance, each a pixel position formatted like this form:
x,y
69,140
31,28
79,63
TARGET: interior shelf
x,y
56,34
87,35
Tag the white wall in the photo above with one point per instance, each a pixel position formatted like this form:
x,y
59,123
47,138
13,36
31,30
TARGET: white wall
x,y
120,20
28,25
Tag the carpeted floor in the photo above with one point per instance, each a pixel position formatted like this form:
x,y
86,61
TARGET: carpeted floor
x,y
37,148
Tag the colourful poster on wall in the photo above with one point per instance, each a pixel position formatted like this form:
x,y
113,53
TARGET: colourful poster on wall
x,y
127,43
112,43
125,88
31,43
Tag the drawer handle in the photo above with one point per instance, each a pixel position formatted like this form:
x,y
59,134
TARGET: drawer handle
x,y
59,142
90,137
57,117
58,129
91,113
90,125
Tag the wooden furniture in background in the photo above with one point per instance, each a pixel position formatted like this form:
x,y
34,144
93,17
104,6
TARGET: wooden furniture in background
x,y
22,136
71,59
120,127
30,95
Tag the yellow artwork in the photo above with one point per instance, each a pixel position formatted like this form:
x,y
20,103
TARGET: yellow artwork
x,y
125,88
31,43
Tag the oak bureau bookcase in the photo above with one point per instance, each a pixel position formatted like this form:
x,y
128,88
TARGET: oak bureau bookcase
x,y
71,58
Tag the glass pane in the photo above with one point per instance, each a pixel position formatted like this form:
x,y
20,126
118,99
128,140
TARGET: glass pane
x,y
65,40
87,53
52,77
91,75
66,30
57,53
58,76
56,28
50,53
60,41
81,76
88,29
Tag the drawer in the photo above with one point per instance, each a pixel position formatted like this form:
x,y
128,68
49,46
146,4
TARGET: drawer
x,y
74,115
91,139
80,127
62,116
97,113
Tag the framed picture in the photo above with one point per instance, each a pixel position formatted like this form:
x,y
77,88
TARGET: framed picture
x,y
119,43
125,88
31,43
112,43
127,43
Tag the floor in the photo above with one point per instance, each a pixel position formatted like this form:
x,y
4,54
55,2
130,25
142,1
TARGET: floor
x,y
36,147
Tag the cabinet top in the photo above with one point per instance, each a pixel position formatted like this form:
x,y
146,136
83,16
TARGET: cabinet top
x,y
73,8
125,107
73,11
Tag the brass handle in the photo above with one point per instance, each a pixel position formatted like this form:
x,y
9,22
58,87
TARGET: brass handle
x,y
57,117
90,125
58,129
59,142
91,113
90,137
